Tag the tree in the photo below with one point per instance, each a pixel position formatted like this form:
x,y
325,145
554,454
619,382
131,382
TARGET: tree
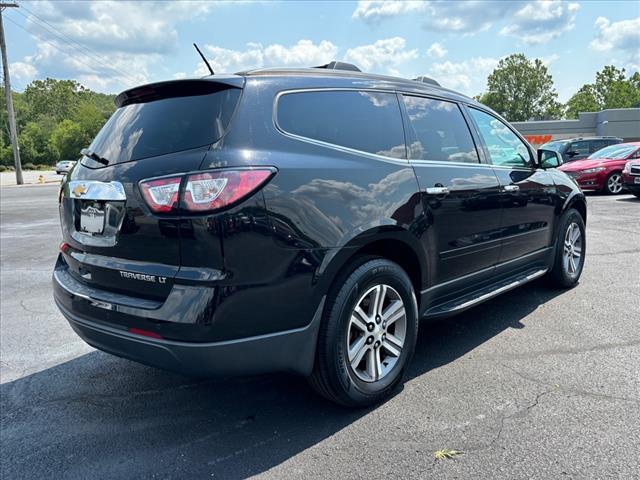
x,y
58,98
584,100
611,90
55,118
68,139
521,89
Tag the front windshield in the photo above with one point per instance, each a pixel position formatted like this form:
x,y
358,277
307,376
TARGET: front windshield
x,y
555,146
615,152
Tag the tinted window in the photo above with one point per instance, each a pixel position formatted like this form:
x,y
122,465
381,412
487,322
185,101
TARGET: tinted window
x,y
438,131
579,148
166,125
365,121
504,146
598,144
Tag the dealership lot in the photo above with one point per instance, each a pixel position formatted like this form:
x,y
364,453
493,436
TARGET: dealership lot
x,y
534,384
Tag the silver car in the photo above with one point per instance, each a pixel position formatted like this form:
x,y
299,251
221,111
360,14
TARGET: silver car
x,y
64,166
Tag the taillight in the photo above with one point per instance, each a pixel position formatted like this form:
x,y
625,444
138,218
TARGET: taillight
x,y
203,191
213,190
161,195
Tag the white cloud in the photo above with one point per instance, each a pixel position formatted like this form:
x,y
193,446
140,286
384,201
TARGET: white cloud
x,y
383,55
541,21
468,76
105,45
436,50
304,53
374,11
180,75
440,15
623,35
23,71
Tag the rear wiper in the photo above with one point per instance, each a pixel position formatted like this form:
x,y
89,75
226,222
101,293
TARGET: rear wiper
x,y
94,156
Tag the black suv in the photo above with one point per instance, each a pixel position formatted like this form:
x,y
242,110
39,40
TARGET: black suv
x,y
304,221
580,148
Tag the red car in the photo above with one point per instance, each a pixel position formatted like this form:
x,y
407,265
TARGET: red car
x,y
602,170
631,177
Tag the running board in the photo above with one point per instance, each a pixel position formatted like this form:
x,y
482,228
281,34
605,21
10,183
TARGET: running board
x,y
476,297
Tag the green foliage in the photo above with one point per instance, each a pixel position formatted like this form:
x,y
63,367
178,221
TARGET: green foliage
x,y
521,89
55,119
67,139
611,90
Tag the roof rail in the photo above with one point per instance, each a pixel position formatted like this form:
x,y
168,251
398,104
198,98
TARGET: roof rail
x,y
425,79
334,65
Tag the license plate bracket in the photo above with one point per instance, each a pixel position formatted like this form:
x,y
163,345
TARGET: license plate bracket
x,y
92,218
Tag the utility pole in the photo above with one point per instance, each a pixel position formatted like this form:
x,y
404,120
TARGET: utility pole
x,y
7,91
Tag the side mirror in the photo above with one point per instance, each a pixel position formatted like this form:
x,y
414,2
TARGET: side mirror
x,y
549,159
571,153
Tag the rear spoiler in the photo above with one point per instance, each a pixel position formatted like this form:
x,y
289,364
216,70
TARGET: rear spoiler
x,y
178,88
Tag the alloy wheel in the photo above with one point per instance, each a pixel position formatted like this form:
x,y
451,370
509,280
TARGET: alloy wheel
x,y
376,333
572,253
614,183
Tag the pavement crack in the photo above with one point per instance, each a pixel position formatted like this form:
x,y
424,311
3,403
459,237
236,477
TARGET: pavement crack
x,y
28,310
571,390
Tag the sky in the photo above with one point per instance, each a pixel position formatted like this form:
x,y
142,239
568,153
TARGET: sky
x,y
109,46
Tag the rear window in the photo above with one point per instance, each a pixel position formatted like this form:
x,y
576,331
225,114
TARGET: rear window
x,y
361,120
165,125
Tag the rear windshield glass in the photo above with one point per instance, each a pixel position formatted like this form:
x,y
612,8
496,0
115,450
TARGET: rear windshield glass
x,y
617,152
165,125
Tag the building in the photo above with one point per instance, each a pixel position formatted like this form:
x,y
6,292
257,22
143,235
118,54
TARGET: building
x,y
620,122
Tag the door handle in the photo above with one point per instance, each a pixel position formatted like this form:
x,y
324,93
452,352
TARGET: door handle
x,y
437,190
511,188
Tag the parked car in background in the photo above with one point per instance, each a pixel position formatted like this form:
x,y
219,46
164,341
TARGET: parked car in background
x,y
303,220
64,166
573,149
602,171
631,177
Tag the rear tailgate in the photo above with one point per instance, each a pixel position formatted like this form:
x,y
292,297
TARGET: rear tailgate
x,y
112,239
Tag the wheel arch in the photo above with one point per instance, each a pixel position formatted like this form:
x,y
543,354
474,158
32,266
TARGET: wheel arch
x,y
578,202
397,245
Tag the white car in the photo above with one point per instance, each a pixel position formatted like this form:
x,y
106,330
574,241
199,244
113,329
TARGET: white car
x,y
64,166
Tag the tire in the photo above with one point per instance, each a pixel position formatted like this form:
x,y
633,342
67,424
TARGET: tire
x,y
637,194
334,376
613,184
562,275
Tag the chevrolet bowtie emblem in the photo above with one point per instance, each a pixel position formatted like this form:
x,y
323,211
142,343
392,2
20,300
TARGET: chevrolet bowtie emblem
x,y
79,190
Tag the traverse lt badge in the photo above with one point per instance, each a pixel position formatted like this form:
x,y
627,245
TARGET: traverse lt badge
x,y
142,277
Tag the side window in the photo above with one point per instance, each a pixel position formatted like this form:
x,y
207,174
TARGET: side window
x,y
438,131
365,121
598,144
505,148
579,148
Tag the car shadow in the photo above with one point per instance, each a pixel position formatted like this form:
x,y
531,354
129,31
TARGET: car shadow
x,y
98,414
631,199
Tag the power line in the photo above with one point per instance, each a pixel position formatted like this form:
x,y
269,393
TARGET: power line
x,y
71,42
57,47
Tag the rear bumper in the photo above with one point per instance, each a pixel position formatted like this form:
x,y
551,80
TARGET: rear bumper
x,y
288,351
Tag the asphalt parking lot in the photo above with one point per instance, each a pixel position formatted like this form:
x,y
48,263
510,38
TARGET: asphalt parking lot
x,y
534,384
